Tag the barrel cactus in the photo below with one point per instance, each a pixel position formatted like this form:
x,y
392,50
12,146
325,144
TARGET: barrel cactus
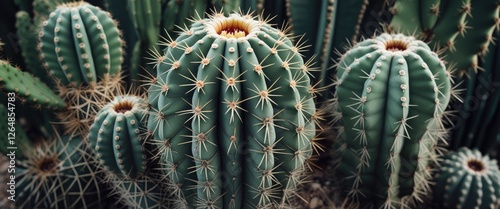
x,y
391,94
59,174
467,179
233,94
81,48
118,136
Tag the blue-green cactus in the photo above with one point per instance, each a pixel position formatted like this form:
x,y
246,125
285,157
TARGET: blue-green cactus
x,y
71,54
118,136
232,112
391,94
467,179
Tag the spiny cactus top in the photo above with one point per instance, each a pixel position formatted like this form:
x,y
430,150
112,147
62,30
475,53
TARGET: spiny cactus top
x,y
59,174
117,135
233,94
391,94
467,179
80,44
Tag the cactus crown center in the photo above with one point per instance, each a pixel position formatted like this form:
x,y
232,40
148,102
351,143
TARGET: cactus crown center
x,y
123,106
396,45
47,165
476,165
233,28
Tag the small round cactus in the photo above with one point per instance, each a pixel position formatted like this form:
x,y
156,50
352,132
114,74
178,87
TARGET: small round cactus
x,y
118,135
391,94
467,179
71,54
233,94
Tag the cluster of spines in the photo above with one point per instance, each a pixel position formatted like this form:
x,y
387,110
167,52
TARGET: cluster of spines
x,y
376,86
118,136
204,77
149,191
59,173
467,179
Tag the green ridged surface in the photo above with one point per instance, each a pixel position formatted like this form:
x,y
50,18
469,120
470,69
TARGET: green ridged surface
x,y
72,55
483,22
117,136
28,88
59,174
467,179
439,22
390,104
216,101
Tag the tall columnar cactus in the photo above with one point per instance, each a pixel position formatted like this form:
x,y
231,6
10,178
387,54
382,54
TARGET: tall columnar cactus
x,y
391,94
59,174
467,179
80,44
81,48
118,136
232,112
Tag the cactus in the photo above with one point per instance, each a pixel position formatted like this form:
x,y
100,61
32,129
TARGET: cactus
x,y
88,73
467,179
391,94
118,136
28,88
219,74
86,58
58,174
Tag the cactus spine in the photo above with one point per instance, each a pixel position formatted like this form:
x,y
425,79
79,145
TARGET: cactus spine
x,y
118,136
467,179
391,94
219,74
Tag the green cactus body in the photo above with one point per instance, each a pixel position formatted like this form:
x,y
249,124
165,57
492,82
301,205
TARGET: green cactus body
x,y
391,94
118,136
59,174
467,179
232,93
72,55
28,88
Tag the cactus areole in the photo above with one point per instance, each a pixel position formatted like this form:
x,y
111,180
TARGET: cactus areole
x,y
391,94
233,94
